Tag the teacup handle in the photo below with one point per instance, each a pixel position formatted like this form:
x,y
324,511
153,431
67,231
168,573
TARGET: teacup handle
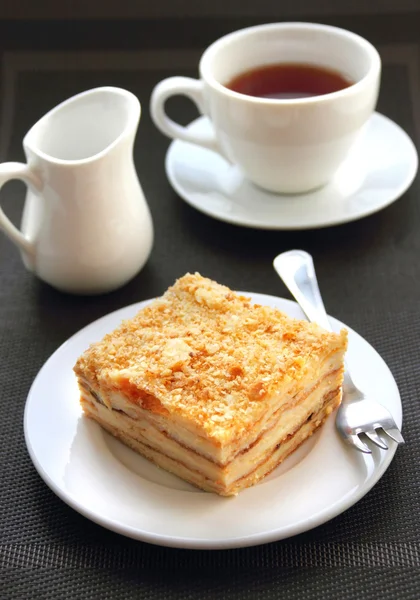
x,y
192,89
15,170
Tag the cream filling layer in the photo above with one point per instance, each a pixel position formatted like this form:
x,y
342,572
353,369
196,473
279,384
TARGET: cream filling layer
x,y
181,470
188,435
279,429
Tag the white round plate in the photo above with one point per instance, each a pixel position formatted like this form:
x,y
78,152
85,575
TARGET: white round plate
x,y
379,169
117,488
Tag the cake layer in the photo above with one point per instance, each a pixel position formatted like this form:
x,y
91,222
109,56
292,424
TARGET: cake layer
x,y
278,454
288,446
330,376
281,427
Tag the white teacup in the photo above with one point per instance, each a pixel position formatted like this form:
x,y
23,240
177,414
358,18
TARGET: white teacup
x,y
292,145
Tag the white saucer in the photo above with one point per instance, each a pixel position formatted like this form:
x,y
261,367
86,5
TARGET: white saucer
x,y
115,487
379,169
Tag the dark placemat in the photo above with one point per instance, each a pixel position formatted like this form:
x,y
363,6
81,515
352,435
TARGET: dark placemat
x,y
370,277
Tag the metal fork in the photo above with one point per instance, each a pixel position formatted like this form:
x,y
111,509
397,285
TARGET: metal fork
x,y
357,414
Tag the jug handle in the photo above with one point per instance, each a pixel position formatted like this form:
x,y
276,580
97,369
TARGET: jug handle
x,y
15,170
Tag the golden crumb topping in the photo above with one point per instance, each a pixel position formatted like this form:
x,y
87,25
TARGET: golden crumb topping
x,y
210,356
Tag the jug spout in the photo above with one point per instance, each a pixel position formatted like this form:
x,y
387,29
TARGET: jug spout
x,y
85,127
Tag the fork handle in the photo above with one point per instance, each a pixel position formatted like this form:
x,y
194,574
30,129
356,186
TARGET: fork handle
x,y
296,269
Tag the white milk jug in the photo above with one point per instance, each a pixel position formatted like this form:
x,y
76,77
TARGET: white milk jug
x,y
86,226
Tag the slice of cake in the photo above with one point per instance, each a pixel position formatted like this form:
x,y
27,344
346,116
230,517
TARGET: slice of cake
x,y
210,386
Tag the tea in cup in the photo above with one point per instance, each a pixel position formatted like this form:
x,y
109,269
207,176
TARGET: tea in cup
x,y
286,101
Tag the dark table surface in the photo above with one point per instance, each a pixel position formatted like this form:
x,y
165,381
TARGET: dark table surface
x,y
369,274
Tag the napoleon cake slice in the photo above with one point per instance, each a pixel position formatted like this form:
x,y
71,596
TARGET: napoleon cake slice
x,y
210,386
